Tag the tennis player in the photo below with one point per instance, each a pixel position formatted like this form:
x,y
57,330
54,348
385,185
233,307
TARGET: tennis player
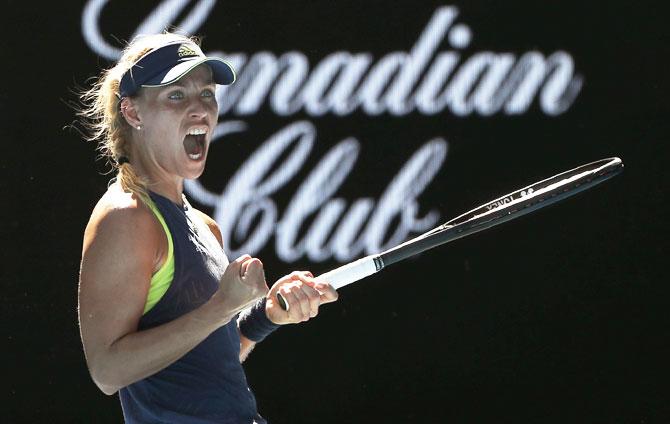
x,y
165,318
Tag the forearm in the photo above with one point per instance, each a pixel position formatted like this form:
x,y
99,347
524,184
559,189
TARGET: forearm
x,y
140,354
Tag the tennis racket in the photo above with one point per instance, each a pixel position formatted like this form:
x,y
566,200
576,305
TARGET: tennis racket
x,y
502,209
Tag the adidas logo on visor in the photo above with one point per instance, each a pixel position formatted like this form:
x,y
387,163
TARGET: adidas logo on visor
x,y
186,51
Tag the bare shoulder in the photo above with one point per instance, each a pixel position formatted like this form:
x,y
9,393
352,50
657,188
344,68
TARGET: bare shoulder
x,y
123,226
124,215
213,226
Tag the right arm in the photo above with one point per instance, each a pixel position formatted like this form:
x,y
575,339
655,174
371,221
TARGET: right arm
x,y
119,257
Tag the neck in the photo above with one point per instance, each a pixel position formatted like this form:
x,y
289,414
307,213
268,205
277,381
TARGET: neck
x,y
160,182
169,191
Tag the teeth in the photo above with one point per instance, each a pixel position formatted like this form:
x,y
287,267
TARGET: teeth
x,y
197,131
195,156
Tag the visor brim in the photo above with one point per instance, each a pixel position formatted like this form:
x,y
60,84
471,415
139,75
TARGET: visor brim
x,y
222,72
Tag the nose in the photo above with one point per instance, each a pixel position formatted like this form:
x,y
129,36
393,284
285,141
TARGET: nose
x,y
197,109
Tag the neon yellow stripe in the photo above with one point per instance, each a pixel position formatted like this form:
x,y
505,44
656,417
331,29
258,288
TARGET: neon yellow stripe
x,y
161,280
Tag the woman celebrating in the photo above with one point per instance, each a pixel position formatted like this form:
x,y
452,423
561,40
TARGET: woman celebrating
x,y
165,319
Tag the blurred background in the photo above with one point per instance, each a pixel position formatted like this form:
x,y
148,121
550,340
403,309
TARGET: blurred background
x,y
354,126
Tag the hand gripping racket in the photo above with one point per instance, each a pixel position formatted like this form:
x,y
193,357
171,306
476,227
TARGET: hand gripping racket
x,y
502,209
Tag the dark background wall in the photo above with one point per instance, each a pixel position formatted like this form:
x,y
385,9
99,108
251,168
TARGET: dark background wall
x,y
558,317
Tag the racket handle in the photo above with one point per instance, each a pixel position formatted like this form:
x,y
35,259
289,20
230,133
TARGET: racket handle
x,y
345,275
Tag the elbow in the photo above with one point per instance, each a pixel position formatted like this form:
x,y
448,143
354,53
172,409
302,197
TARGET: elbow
x,y
105,385
106,389
104,380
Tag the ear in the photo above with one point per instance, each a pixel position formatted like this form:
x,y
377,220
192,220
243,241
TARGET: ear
x,y
130,112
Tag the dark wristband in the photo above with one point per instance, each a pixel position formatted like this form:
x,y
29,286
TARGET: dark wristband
x,y
254,323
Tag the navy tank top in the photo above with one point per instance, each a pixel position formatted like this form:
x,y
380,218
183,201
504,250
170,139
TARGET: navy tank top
x,y
208,384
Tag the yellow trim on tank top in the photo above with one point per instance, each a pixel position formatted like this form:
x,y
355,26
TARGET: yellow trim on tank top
x,y
161,280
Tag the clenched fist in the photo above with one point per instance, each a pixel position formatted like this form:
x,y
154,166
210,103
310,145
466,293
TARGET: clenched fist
x,y
242,284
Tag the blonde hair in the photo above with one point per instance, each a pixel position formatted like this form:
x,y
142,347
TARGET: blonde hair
x,y
101,114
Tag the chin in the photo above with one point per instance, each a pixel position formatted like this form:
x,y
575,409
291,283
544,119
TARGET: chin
x,y
194,175
195,170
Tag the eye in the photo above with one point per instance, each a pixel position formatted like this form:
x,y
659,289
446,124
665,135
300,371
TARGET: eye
x,y
176,95
207,93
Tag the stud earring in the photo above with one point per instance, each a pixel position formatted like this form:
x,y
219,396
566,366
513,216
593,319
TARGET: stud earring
x,y
139,127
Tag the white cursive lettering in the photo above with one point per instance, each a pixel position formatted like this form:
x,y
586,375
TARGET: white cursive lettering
x,y
337,230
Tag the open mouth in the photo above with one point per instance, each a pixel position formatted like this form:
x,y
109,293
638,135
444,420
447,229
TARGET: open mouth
x,y
194,144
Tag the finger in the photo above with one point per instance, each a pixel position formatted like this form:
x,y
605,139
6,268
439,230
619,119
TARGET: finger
x,y
314,299
235,266
304,277
303,300
251,269
313,296
276,289
298,276
243,268
328,292
294,312
242,258
296,302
